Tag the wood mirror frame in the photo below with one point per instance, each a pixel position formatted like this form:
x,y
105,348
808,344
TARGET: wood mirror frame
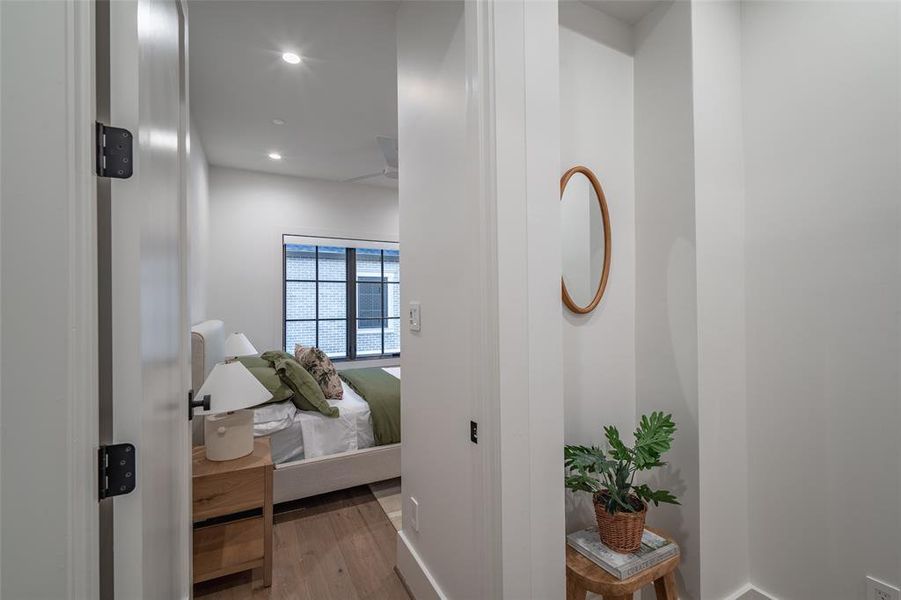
x,y
605,217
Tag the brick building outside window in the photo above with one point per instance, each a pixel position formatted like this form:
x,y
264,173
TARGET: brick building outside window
x,y
342,296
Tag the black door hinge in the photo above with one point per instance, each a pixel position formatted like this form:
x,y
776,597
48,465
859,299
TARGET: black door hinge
x,y
114,151
116,470
473,432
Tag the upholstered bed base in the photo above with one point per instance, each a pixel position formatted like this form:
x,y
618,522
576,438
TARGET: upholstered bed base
x,y
302,478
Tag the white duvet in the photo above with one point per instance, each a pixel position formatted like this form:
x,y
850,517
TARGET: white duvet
x,y
298,434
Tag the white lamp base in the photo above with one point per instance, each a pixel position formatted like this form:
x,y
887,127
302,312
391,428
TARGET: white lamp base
x,y
228,436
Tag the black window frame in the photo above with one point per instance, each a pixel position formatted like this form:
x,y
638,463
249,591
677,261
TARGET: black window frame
x,y
351,318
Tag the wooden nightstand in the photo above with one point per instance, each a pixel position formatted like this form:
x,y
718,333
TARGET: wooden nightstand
x,y
232,511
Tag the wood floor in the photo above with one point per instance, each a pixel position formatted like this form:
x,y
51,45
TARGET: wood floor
x,y
337,546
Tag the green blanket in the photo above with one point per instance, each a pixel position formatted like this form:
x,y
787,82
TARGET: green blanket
x,y
381,391
286,379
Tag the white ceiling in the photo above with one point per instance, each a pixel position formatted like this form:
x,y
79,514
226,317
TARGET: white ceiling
x,y
334,104
627,11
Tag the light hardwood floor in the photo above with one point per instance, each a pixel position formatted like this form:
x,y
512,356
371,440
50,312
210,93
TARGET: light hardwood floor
x,y
337,546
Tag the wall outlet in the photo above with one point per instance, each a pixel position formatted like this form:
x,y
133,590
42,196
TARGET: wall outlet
x,y
879,590
414,514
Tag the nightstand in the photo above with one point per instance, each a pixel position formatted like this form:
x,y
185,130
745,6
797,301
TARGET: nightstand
x,y
232,513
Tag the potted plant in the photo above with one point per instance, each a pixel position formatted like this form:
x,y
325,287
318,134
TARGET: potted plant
x,y
619,505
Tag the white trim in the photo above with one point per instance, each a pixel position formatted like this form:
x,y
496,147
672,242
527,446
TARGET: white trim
x,y
526,112
418,579
748,587
82,384
739,592
185,507
392,361
339,242
485,361
764,592
1,303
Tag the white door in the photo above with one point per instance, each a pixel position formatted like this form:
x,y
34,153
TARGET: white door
x,y
149,332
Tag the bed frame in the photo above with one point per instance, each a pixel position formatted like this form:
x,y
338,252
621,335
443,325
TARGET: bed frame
x,y
300,478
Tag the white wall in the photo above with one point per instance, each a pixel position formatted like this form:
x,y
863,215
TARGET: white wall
x,y
823,287
248,214
480,218
438,259
719,223
666,291
198,228
596,130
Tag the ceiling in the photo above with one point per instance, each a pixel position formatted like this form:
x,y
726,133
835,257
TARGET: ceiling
x,y
333,104
627,11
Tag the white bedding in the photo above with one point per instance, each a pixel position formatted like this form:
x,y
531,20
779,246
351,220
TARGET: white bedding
x,y
297,434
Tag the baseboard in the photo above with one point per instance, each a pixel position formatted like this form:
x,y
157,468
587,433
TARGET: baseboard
x,y
416,577
763,592
739,594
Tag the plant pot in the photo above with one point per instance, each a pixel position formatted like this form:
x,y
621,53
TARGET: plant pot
x,y
621,532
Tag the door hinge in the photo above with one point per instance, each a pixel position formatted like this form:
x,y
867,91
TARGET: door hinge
x,y
114,151
116,470
473,432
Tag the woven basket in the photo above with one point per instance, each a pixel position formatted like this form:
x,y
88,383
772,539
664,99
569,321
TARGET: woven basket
x,y
621,532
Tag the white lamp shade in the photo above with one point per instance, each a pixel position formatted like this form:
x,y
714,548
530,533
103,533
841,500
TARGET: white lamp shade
x,y
237,344
232,387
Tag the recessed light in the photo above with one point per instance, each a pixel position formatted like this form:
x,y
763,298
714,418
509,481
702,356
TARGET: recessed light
x,y
278,121
291,58
275,156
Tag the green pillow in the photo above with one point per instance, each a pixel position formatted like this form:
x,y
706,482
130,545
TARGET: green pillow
x,y
307,393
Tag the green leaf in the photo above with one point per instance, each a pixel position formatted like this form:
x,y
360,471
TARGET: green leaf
x,y
656,496
653,437
590,459
581,483
618,449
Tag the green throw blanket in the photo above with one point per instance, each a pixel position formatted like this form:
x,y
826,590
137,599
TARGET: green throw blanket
x,y
381,391
286,379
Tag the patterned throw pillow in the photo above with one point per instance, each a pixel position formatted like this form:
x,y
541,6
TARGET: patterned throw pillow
x,y
321,368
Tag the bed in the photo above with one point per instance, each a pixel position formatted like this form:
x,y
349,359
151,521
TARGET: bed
x,y
313,454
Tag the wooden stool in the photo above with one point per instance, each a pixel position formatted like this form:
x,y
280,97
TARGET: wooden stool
x,y
583,576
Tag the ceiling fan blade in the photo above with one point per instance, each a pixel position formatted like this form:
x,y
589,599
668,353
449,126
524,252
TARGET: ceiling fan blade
x,y
388,146
362,177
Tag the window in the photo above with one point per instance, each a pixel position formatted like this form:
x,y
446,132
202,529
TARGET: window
x,y
342,296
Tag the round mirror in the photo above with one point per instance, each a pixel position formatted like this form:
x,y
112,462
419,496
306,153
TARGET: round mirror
x,y
585,231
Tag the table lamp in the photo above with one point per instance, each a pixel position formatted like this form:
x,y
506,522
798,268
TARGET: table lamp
x,y
228,429
237,344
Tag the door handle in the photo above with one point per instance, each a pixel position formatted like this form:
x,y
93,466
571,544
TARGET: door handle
x,y
203,403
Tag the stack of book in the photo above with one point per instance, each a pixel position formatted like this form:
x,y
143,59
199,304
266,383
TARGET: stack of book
x,y
654,549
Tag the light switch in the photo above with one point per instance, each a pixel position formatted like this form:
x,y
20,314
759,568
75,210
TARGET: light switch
x,y
415,323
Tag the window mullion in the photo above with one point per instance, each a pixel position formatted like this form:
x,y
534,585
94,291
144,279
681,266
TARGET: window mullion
x,y
316,292
382,299
351,303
